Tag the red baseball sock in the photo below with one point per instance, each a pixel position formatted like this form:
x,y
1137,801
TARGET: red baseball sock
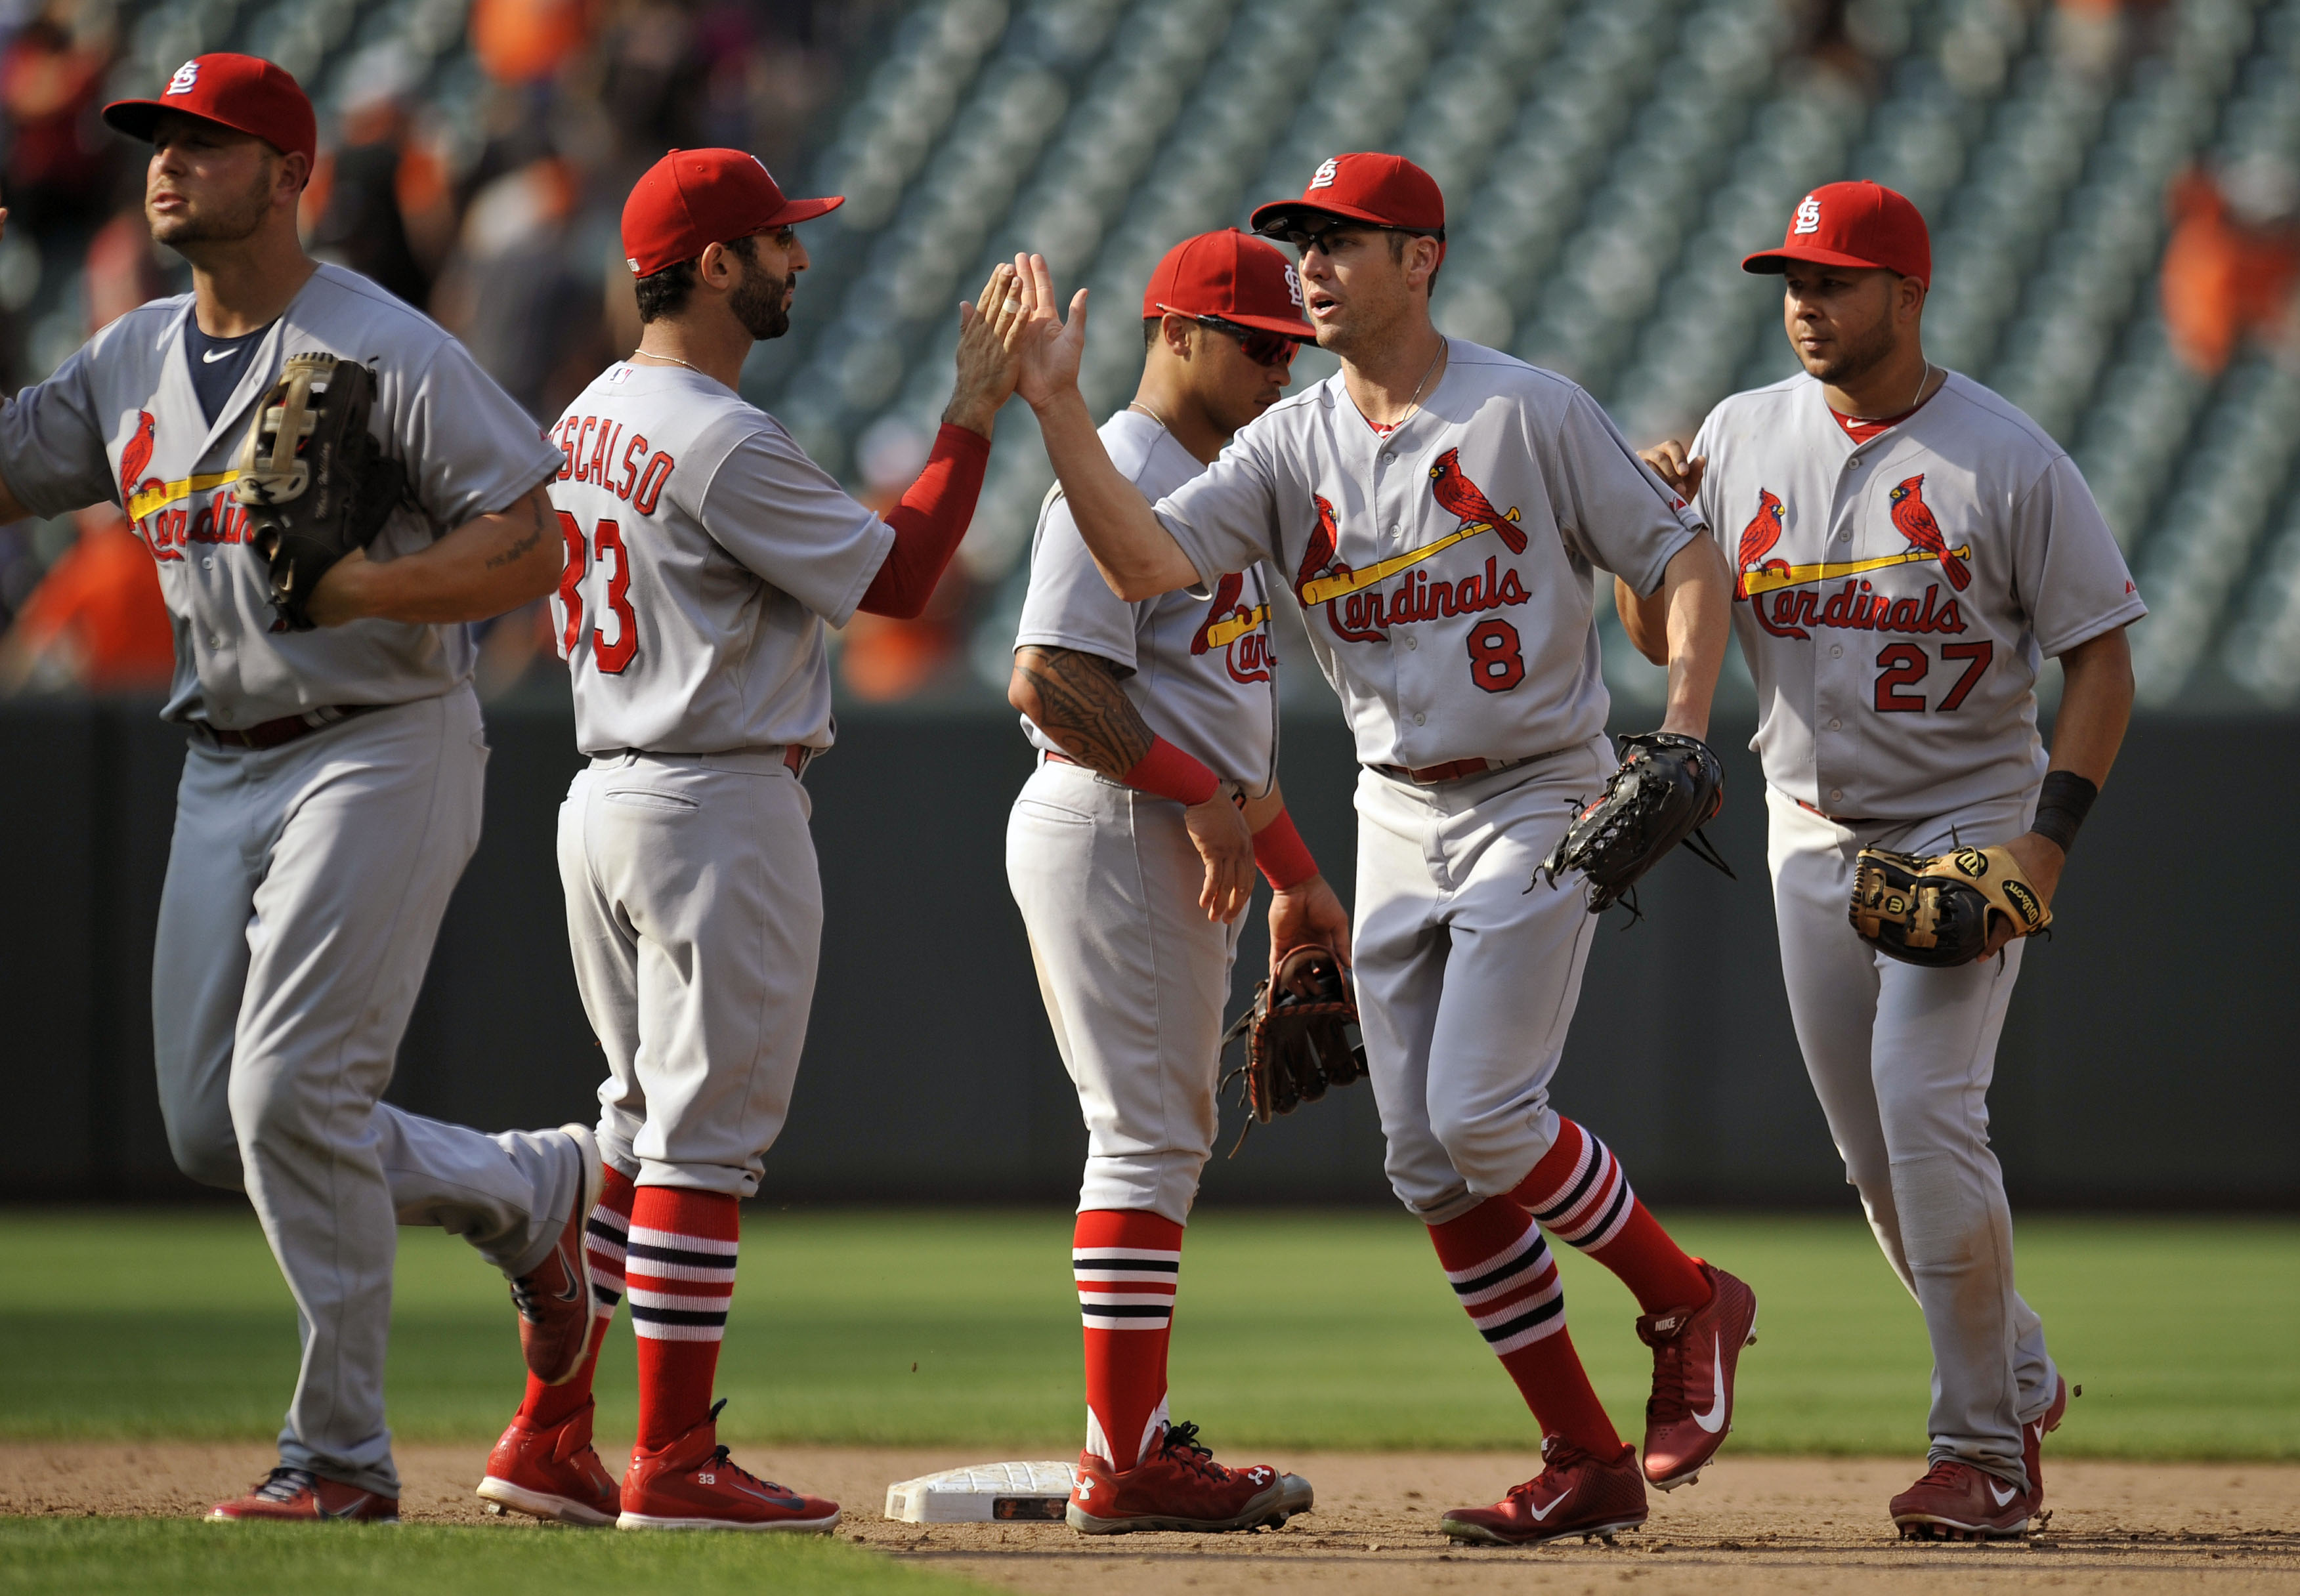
x,y
603,1240
1503,1273
1581,1194
681,1274
1126,1261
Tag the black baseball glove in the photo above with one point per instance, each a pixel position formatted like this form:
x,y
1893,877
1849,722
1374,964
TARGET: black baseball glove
x,y
1934,909
1301,1037
314,482
1668,787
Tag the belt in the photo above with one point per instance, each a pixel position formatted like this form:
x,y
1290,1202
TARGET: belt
x,y
1430,775
1834,819
794,757
274,734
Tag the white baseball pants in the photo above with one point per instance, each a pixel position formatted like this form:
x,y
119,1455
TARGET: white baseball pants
x,y
305,886
1901,1058
1133,975
695,913
1467,980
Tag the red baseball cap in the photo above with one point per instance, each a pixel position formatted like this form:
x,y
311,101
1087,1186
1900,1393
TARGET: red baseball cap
x,y
1388,191
245,93
1860,224
692,199
1228,274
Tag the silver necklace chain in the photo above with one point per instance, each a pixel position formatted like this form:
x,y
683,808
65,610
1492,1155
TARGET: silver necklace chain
x,y
673,358
1153,415
1413,400
1916,399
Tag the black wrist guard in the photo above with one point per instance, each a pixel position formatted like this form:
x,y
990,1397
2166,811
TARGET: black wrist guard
x,y
2061,808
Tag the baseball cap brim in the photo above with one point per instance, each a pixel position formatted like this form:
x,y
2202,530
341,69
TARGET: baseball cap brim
x,y
803,210
1276,219
137,118
1774,262
1301,332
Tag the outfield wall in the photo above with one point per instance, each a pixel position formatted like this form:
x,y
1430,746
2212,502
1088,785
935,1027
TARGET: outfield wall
x,y
2142,1067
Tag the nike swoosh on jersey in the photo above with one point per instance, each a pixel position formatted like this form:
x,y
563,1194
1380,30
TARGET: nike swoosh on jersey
x,y
212,356
1714,1420
1325,590
1796,576
1539,1514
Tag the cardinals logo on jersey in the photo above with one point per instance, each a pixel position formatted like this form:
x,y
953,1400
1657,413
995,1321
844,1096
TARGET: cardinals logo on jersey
x,y
1914,521
1236,630
1757,540
135,455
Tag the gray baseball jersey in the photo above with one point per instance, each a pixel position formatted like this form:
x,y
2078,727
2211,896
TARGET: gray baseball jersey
x,y
1200,670
1896,599
1444,568
705,554
120,422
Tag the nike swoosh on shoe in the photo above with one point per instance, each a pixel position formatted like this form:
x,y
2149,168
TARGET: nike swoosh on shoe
x,y
1714,1420
1539,1514
2008,1495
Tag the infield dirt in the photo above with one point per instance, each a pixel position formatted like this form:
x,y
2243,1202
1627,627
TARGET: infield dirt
x,y
1752,1524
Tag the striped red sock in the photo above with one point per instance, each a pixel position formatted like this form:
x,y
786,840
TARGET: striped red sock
x,y
603,1239
1126,1262
1503,1273
1581,1194
681,1274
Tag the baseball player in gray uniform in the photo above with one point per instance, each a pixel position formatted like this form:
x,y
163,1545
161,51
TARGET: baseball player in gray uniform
x,y
1909,548
331,790
1131,863
1440,510
705,555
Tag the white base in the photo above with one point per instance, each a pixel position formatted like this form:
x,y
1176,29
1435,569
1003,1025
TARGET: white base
x,y
984,1493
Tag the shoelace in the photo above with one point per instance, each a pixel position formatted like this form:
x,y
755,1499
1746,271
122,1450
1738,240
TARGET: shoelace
x,y
1942,1472
719,1459
1557,1455
1182,1444
1667,1404
284,1484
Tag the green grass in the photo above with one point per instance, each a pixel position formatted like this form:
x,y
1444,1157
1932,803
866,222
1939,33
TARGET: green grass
x,y
1294,1330
95,1556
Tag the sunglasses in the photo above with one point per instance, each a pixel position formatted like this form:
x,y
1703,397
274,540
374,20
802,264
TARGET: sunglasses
x,y
1263,348
1305,240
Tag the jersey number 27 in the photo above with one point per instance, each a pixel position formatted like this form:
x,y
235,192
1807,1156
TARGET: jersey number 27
x,y
606,542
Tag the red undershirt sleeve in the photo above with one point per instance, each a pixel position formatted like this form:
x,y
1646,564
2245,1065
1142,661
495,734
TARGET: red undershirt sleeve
x,y
928,523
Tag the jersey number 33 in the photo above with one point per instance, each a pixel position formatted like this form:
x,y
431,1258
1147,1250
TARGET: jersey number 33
x,y
615,634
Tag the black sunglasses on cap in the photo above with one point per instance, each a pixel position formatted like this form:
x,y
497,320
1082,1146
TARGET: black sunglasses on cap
x,y
1263,348
1306,239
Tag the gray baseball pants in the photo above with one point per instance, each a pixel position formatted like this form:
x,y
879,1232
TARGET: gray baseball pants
x,y
306,885
1901,1058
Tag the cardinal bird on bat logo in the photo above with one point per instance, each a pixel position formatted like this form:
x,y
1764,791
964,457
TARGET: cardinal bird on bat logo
x,y
1757,540
1914,521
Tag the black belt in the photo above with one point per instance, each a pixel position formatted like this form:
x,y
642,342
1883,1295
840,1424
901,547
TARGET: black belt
x,y
275,734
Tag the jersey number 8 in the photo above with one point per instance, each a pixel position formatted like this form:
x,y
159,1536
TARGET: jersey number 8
x,y
606,540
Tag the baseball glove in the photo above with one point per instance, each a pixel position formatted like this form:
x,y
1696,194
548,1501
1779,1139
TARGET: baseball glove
x,y
1668,787
1301,1037
1933,909
314,480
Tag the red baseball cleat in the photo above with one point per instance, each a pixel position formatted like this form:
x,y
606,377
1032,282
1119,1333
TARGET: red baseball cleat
x,y
552,1473
554,1298
691,1483
1576,1493
298,1494
1955,1501
2032,1443
1696,1352
1178,1487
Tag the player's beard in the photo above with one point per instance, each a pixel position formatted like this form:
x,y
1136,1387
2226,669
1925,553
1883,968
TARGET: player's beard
x,y
1855,357
225,223
758,304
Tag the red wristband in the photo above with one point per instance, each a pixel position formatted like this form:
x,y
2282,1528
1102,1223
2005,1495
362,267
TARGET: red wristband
x,y
1282,854
1169,773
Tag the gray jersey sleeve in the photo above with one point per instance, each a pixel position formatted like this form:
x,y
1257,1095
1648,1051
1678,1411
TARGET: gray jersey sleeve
x,y
785,519
1226,517
1069,604
473,450
52,441
2070,575
1614,512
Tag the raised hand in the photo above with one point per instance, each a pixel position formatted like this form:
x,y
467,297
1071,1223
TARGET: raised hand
x,y
1050,348
988,330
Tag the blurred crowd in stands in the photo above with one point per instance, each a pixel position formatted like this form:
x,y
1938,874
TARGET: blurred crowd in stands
x,y
475,157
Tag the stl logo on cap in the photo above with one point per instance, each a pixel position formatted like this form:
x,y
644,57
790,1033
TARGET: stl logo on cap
x,y
1293,286
186,76
1328,170
1808,215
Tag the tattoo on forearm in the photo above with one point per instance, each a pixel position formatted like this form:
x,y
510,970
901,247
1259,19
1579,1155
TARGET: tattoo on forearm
x,y
1084,710
536,511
